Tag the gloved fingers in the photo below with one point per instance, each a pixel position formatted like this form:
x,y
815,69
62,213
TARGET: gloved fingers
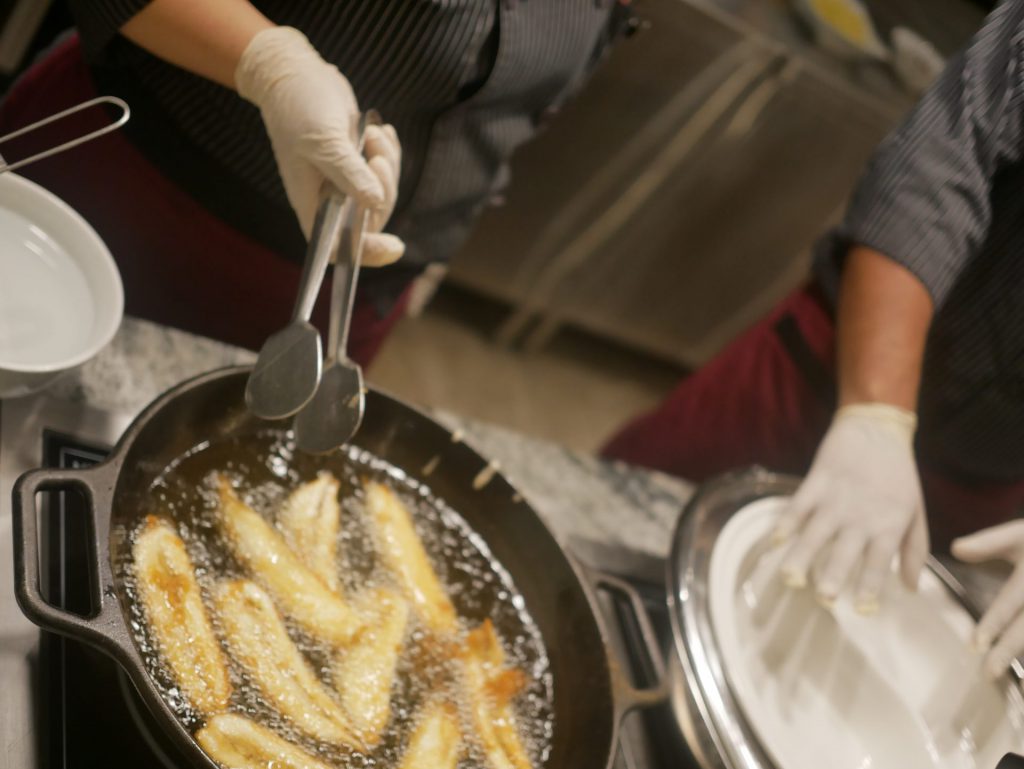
x,y
835,571
1007,649
392,135
914,551
378,217
1007,605
1002,541
875,570
338,160
302,187
797,511
808,545
381,249
382,141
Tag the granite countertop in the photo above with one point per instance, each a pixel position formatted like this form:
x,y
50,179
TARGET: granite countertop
x,y
579,497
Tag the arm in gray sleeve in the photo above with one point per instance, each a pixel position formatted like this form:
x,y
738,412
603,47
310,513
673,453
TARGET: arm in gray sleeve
x,y
99,20
924,200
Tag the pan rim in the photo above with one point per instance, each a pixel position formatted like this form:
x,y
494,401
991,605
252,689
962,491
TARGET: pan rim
x,y
125,651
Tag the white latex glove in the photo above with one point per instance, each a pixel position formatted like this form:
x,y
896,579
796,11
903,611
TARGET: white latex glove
x,y
862,502
310,114
1003,623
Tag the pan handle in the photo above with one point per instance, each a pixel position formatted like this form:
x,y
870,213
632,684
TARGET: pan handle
x,y
93,482
628,696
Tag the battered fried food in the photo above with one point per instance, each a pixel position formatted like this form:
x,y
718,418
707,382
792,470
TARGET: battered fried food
x,y
436,741
235,742
490,688
259,642
310,520
173,604
403,552
364,673
297,590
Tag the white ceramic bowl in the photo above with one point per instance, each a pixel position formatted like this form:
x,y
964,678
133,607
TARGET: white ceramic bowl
x,y
900,689
61,298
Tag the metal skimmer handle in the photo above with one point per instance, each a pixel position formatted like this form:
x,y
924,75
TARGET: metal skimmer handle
x,y
125,114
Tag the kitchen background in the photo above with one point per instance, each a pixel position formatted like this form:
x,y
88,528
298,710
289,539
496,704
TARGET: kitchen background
x,y
672,203
663,210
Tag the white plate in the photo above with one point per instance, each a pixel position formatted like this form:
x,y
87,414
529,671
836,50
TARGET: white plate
x,y
829,687
61,298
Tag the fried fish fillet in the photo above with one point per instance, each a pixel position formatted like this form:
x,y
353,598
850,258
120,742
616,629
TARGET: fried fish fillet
x,y
403,552
297,590
490,689
436,741
503,683
364,673
235,742
310,519
170,597
259,642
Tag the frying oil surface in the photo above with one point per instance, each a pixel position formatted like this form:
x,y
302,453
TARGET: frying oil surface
x,y
477,584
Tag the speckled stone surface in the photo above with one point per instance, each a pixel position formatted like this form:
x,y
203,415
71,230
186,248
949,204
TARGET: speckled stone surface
x,y
579,497
142,361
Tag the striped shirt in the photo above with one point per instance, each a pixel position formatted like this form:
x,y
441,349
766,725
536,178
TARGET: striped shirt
x,y
464,82
944,197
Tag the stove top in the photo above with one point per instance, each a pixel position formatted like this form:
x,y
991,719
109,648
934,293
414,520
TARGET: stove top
x,y
72,707
89,700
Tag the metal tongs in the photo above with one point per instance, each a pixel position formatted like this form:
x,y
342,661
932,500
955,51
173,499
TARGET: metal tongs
x,y
290,377
335,412
119,103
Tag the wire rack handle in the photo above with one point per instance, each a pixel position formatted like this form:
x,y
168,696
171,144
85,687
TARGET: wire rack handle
x,y
120,103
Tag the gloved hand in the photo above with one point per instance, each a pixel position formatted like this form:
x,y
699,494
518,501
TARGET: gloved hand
x,y
1003,623
310,114
862,500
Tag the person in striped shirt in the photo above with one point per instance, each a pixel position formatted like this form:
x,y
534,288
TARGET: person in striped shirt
x,y
241,109
896,379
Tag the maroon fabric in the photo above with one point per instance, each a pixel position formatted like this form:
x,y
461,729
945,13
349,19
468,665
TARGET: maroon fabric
x,y
748,405
181,266
752,405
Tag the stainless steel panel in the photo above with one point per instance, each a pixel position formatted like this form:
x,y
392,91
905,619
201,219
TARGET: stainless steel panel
x,y
771,137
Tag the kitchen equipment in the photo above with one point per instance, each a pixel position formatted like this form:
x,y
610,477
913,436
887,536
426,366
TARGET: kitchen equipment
x,y
335,412
70,706
61,297
91,714
289,367
766,677
591,693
